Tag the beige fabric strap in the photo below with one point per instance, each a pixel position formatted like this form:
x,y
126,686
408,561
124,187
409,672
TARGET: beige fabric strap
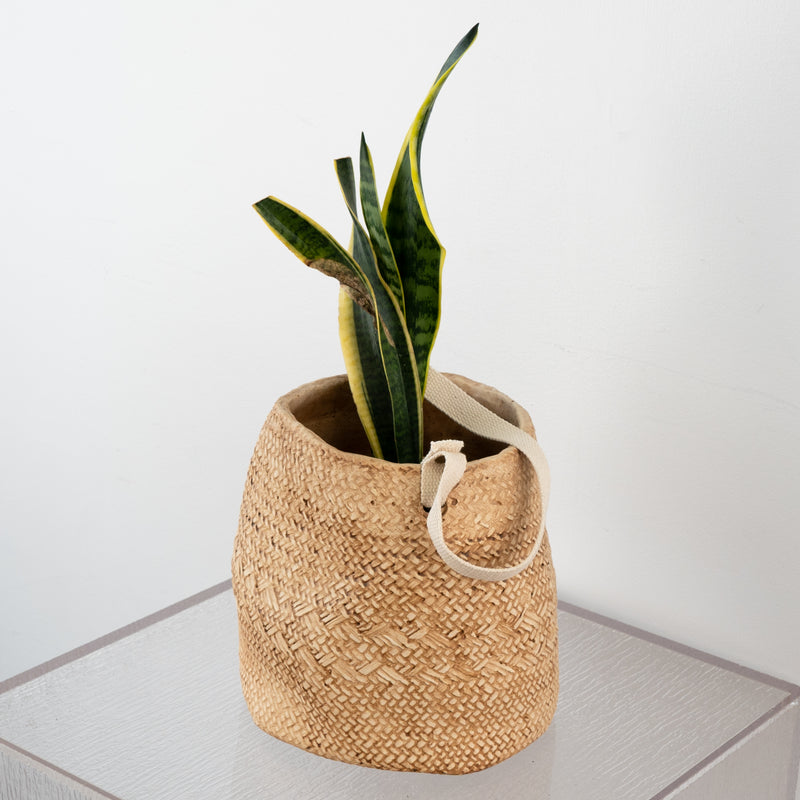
x,y
444,465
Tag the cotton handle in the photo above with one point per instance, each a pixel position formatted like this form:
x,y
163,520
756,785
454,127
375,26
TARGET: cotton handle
x,y
444,465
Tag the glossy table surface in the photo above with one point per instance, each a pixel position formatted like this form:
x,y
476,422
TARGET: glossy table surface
x,y
155,711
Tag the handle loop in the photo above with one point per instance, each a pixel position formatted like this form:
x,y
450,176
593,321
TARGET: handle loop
x,y
443,466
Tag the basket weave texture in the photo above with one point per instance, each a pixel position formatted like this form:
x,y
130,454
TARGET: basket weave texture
x,y
356,641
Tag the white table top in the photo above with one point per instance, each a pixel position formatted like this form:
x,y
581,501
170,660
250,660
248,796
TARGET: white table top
x,y
155,711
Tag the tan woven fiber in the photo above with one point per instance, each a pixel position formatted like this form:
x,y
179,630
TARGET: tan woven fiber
x,y
356,641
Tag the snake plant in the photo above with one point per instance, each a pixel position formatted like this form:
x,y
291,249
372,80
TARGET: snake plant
x,y
390,276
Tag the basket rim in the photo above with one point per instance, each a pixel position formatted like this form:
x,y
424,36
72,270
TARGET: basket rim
x,y
285,403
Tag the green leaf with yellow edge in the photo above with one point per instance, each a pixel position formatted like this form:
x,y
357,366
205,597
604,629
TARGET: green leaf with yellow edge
x,y
314,246
394,341
371,208
389,305
360,342
362,359
418,253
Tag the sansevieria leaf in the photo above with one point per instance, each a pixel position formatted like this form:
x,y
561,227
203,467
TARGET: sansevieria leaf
x,y
371,207
313,245
360,342
358,336
389,301
394,341
418,253
317,248
358,332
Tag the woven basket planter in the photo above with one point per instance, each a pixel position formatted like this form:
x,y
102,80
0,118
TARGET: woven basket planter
x,y
357,642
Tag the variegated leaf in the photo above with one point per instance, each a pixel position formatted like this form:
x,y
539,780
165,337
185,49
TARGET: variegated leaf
x,y
394,342
418,253
315,247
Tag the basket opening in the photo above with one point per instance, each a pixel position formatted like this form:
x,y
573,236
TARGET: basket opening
x,y
331,414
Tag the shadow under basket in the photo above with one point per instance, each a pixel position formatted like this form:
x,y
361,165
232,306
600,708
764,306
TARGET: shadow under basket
x,y
357,642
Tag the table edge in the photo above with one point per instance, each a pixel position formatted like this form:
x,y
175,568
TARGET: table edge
x,y
792,690
109,638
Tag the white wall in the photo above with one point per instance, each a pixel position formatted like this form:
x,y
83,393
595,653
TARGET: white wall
x,y
618,186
